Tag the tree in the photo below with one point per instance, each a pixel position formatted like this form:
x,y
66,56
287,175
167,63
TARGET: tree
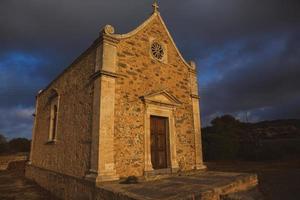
x,y
225,121
19,145
221,140
3,144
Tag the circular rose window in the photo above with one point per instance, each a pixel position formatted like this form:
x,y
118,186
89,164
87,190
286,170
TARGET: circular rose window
x,y
157,51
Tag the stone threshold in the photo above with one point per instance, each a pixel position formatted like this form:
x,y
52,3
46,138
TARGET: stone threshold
x,y
166,173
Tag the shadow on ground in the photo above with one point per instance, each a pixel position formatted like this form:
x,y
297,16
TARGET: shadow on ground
x,y
278,180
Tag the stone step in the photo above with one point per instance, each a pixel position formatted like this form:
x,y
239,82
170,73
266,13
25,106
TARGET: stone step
x,y
253,194
202,186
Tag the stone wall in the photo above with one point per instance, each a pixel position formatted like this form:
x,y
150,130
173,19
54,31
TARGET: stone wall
x,y
143,76
5,160
71,188
70,154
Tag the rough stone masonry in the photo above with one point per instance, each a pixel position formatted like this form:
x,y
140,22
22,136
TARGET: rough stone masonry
x,y
128,106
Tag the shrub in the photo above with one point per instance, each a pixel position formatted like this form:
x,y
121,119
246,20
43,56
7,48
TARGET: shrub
x,y
3,145
19,145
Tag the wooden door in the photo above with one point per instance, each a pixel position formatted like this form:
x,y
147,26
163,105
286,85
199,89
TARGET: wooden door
x,y
158,142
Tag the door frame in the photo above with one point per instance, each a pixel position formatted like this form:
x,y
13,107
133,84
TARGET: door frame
x,y
167,112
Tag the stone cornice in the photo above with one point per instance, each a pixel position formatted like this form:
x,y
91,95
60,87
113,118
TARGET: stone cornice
x,y
194,96
110,39
171,105
150,99
106,73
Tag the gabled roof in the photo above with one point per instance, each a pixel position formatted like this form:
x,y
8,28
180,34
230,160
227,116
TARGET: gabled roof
x,y
110,31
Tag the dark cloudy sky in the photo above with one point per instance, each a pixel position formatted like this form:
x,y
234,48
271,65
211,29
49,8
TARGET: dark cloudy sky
x,y
248,51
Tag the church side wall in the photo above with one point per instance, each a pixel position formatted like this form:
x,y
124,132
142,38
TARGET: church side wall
x,y
70,154
146,75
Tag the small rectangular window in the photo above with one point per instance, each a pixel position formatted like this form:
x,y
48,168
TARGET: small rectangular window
x,y
54,122
53,118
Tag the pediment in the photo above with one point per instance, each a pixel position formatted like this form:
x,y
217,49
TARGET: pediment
x,y
156,15
162,97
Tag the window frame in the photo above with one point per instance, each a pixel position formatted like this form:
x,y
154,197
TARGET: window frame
x,y
54,113
164,46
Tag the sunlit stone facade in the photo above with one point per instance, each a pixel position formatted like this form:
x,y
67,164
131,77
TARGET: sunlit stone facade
x,y
128,106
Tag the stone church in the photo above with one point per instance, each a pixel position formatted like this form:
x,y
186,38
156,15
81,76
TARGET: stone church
x,y
127,106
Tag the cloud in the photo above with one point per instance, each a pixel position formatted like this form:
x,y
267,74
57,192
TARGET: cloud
x,y
24,113
16,122
247,51
254,80
20,78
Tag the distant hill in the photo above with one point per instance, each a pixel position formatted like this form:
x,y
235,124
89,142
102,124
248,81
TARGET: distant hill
x,y
276,129
230,139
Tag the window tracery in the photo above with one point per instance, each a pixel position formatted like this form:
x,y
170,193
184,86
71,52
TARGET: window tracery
x,y
157,51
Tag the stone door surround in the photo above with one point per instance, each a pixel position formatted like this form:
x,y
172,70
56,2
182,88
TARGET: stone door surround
x,y
160,104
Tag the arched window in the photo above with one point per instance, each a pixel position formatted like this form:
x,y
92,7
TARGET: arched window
x,y
54,99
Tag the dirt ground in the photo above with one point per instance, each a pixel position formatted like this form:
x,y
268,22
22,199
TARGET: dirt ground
x,y
278,180
14,186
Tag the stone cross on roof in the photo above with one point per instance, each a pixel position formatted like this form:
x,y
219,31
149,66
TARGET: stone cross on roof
x,y
155,6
